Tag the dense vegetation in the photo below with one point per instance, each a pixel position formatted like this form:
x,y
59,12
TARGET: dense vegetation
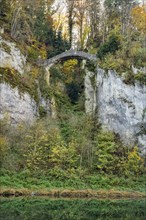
x,y
30,24
72,148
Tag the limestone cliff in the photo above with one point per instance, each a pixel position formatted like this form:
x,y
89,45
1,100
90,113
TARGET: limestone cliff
x,y
15,106
11,56
120,107
18,106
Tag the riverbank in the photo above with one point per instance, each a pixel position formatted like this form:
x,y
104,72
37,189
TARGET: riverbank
x,y
66,193
89,186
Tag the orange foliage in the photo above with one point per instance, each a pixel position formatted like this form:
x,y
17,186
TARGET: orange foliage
x,y
139,18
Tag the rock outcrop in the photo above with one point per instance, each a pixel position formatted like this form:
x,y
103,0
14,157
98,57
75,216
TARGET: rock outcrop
x,y
11,56
121,107
90,93
17,107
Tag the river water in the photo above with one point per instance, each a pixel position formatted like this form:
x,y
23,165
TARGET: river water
x,y
36,208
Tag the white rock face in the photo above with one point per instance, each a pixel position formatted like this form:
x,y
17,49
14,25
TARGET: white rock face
x,y
14,59
18,107
122,108
90,93
46,105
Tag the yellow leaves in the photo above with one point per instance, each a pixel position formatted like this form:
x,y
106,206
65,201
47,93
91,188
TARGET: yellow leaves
x,y
43,51
56,151
3,145
41,143
37,50
139,18
10,71
35,72
57,154
134,156
63,156
69,65
68,68
60,22
135,163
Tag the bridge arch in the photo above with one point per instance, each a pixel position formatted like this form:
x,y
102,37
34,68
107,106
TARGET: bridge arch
x,y
67,55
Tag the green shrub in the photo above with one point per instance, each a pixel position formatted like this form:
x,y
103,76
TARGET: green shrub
x,y
91,65
104,151
135,163
6,47
138,56
128,77
141,77
32,54
111,62
111,46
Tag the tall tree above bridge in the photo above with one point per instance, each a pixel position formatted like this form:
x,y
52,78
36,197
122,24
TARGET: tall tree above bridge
x,y
71,18
94,17
83,19
119,11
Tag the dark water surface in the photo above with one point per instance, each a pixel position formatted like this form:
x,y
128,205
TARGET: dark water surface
x,y
35,208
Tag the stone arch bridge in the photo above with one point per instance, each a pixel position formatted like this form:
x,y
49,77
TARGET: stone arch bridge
x,y
67,55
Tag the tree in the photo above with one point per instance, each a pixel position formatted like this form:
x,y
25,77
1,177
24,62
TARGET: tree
x,y
42,29
119,9
5,14
81,16
110,46
94,17
40,138
64,157
20,16
77,19
135,164
71,18
22,22
139,18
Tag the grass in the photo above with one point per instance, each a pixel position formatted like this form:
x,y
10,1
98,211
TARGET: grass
x,y
47,185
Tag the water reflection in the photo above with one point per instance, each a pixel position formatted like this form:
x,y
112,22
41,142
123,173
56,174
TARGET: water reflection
x,y
61,209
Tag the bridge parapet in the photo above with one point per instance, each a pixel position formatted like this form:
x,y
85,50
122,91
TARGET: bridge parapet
x,y
67,54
